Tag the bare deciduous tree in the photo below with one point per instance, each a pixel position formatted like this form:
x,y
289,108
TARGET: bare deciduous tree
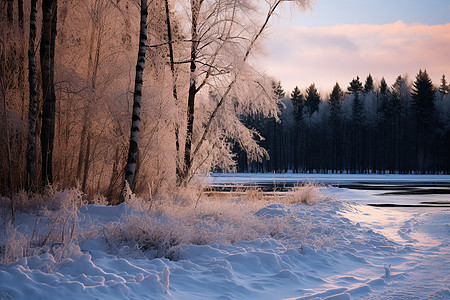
x,y
222,36
33,101
47,56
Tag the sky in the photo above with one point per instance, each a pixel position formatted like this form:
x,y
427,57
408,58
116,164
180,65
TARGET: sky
x,y
338,40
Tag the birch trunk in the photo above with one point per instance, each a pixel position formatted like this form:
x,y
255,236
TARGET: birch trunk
x,y
33,103
130,168
47,53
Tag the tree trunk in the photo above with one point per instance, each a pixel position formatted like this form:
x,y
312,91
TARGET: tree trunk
x,y
33,102
47,52
9,11
81,150
130,168
20,13
86,162
8,147
195,10
178,169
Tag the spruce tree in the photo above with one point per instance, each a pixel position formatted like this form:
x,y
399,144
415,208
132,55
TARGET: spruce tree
x,y
444,87
423,97
335,101
312,99
355,86
368,85
298,100
385,103
423,106
278,90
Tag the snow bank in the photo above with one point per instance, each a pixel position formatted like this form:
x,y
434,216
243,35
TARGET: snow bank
x,y
330,250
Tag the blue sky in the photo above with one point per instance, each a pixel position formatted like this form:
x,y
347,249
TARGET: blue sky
x,y
334,12
341,39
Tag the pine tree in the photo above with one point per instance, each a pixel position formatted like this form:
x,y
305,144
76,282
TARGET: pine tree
x,y
278,90
423,97
444,88
335,100
368,85
383,86
355,86
423,106
298,100
385,103
312,99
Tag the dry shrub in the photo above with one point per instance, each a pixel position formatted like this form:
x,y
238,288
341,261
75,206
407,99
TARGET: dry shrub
x,y
307,193
55,228
14,244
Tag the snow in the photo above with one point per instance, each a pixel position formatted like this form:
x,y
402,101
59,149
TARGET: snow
x,y
342,249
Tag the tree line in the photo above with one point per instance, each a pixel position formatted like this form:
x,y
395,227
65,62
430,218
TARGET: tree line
x,y
402,128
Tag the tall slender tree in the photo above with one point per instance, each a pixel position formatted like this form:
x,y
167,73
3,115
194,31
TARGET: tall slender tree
x,y
33,101
47,57
298,100
423,106
130,168
335,101
444,87
170,40
368,85
423,97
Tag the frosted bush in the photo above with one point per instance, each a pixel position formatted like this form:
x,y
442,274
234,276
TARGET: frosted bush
x,y
14,244
55,228
139,235
307,193
135,202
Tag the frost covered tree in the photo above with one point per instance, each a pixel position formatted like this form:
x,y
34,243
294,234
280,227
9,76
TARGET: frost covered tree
x,y
444,87
221,37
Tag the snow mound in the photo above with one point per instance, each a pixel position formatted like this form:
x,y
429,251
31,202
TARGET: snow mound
x,y
330,250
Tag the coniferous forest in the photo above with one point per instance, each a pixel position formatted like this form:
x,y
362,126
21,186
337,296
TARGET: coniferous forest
x,y
365,127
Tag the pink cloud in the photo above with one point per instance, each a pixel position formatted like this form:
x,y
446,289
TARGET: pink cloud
x,y
324,55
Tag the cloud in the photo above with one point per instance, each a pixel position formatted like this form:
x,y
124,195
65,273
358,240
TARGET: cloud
x,y
324,55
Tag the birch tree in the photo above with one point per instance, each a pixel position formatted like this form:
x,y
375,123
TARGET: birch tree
x,y
130,168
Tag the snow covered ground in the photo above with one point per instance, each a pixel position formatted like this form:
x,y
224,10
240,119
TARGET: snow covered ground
x,y
338,248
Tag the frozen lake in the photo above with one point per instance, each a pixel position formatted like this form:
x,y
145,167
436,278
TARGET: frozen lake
x,y
372,189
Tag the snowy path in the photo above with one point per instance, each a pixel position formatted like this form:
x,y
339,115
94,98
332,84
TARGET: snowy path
x,y
342,251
